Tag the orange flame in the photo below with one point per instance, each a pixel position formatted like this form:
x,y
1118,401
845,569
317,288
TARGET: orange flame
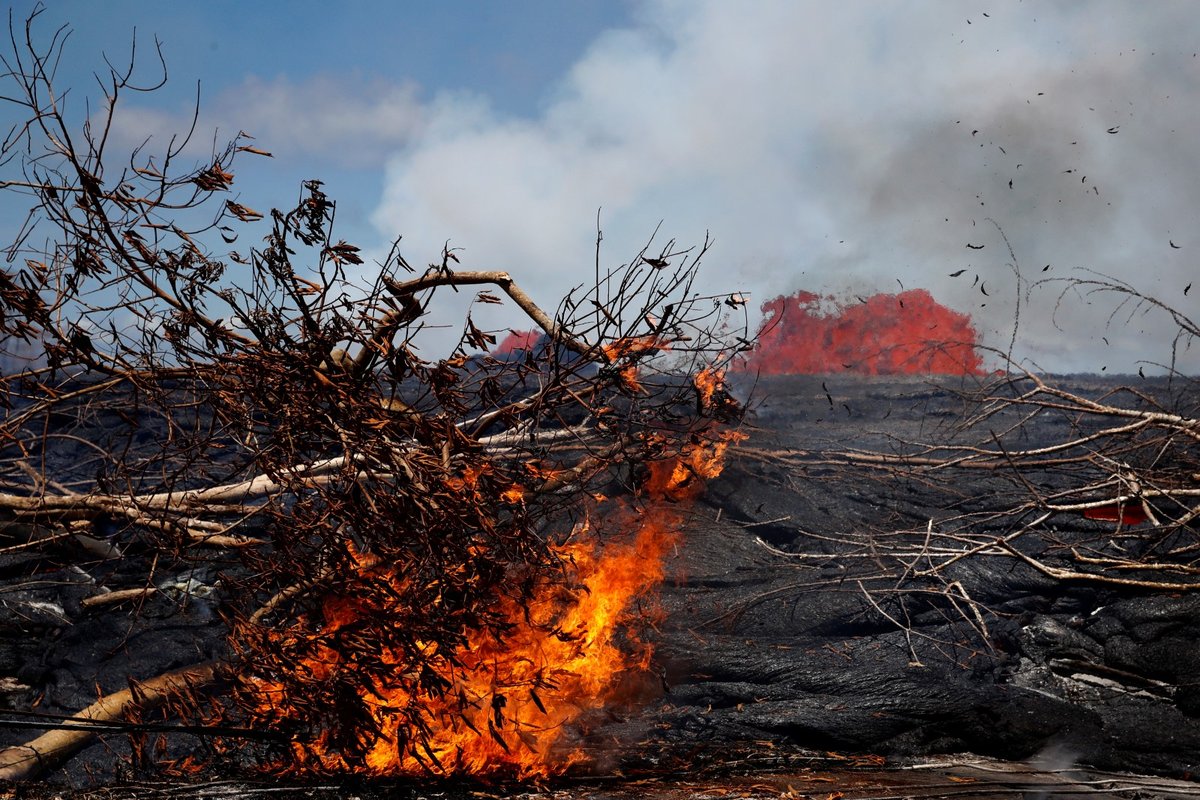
x,y
513,705
514,494
511,701
629,378
633,347
708,381
683,478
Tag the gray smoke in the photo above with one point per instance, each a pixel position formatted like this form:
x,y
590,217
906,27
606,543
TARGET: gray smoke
x,y
851,149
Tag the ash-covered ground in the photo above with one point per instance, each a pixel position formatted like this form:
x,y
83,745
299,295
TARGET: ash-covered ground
x,y
783,629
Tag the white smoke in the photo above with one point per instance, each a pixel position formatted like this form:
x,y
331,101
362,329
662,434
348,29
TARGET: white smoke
x,y
846,148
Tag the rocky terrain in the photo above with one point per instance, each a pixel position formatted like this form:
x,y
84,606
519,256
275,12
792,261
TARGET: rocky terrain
x,y
786,628
782,625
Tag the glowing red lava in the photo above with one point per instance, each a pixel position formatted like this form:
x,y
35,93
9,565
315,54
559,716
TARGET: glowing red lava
x,y
885,334
517,340
1126,514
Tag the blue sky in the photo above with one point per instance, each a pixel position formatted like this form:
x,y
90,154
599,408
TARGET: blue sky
x,y
512,52
286,65
840,147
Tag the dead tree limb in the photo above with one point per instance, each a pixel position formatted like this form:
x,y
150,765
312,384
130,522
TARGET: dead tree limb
x,y
187,376
27,761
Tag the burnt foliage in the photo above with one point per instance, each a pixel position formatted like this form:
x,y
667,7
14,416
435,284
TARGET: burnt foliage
x,y
266,409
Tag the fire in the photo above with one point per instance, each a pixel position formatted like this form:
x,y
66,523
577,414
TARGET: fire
x,y
514,494
514,705
683,478
708,382
630,347
509,703
628,376
885,334
633,347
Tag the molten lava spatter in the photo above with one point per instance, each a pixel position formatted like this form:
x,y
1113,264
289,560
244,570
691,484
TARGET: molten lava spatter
x,y
885,334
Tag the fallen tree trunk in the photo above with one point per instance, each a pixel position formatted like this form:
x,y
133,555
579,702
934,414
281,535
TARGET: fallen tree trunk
x,y
28,761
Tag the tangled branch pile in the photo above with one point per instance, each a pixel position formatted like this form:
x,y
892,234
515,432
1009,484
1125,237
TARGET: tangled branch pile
x,y
1072,482
273,401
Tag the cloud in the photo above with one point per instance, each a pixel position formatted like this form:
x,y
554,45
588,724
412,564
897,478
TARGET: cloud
x,y
843,149
346,120
829,149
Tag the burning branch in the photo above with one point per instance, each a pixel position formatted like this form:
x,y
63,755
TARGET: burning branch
x,y
391,517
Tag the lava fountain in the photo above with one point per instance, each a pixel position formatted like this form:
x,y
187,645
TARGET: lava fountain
x,y
518,340
885,334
